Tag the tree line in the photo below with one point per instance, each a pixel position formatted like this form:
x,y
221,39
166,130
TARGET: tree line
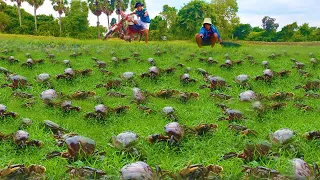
x,y
175,24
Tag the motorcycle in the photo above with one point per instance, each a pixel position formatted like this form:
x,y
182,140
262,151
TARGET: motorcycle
x,y
125,30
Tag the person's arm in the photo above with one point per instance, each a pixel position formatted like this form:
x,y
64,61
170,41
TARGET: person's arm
x,y
217,31
145,12
134,12
201,32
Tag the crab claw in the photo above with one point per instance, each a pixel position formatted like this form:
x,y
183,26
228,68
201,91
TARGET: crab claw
x,y
53,154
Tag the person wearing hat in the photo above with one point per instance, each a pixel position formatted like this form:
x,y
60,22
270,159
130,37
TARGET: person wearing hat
x,y
208,34
144,19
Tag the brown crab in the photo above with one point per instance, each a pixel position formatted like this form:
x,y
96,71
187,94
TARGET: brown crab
x,y
67,106
82,94
139,170
241,129
303,107
69,73
277,105
20,171
30,62
311,85
233,114
174,134
146,109
111,84
260,172
267,76
228,63
22,95
166,93
185,78
5,71
10,59
203,72
4,113
21,139
75,54
78,147
17,81
170,113
99,64
311,135
251,152
209,60
312,95
116,94
297,64
100,112
153,72
221,96
282,96
250,59
242,80
86,173
54,127
185,96
201,128
216,82
138,96
125,142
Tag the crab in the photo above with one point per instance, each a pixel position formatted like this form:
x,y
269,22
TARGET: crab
x,y
6,51
49,96
83,94
260,172
17,81
304,73
242,80
21,139
159,53
146,109
75,54
66,106
251,152
78,147
152,61
202,71
168,70
170,113
135,54
138,96
259,107
185,96
125,142
221,96
281,136
311,135
166,93
303,170
277,105
233,114
311,85
267,76
228,63
50,56
282,96
111,84
25,122
44,78
5,71
216,82
251,59
20,171
248,96
283,73
119,109
209,60
22,94
116,94
242,129
100,64
314,62
303,107
127,75
100,112
174,134
10,59
265,64
201,128
67,63
4,113
138,170
185,78
153,72
273,56
312,95
297,64
196,171
69,73
30,62
86,173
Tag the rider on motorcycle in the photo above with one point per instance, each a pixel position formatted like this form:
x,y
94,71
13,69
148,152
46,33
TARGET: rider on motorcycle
x,y
144,20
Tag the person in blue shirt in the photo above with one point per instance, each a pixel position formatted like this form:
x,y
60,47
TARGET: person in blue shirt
x,y
208,34
144,19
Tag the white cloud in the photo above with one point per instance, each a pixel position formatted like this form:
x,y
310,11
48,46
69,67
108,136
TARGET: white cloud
x,y
250,11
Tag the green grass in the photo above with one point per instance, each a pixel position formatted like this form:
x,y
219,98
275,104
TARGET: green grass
x,y
206,149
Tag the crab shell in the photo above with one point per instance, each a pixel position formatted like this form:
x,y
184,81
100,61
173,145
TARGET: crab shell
x,y
52,125
268,72
20,137
154,70
43,77
124,140
66,61
11,58
168,110
313,60
185,76
48,94
66,104
282,136
247,96
26,121
242,78
216,80
18,80
234,114
265,63
100,108
174,129
69,71
302,169
3,108
80,145
150,60
128,75
229,62
138,95
29,60
138,171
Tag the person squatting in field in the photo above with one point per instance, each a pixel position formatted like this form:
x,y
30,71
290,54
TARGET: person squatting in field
x,y
208,34
144,19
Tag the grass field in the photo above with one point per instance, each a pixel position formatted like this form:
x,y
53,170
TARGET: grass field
x,y
206,149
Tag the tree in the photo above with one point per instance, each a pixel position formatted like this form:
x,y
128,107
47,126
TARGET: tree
x,y
113,21
169,14
190,18
19,2
60,7
4,21
287,32
36,4
225,12
242,31
96,7
121,4
305,30
157,23
269,24
108,8
133,3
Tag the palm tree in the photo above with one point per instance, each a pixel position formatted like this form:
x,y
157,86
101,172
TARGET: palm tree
x,y
96,7
59,6
121,4
19,2
133,3
36,4
108,8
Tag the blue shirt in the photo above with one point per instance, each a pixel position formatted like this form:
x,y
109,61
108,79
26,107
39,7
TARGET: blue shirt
x,y
208,34
142,17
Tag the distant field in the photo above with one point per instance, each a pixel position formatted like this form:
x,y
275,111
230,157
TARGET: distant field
x,y
205,149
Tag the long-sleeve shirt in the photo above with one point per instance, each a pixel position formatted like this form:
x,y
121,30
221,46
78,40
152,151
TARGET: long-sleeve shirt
x,y
208,34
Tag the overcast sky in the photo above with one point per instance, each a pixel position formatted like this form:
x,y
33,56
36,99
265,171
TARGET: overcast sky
x,y
250,11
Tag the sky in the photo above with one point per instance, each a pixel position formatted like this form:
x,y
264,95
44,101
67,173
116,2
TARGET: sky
x,y
250,11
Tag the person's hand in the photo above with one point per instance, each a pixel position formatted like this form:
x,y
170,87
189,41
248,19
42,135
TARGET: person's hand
x,y
201,35
146,14
220,40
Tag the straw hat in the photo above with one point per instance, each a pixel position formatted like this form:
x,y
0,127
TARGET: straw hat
x,y
207,21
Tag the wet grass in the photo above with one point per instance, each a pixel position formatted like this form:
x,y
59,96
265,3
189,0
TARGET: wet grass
x,y
206,149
